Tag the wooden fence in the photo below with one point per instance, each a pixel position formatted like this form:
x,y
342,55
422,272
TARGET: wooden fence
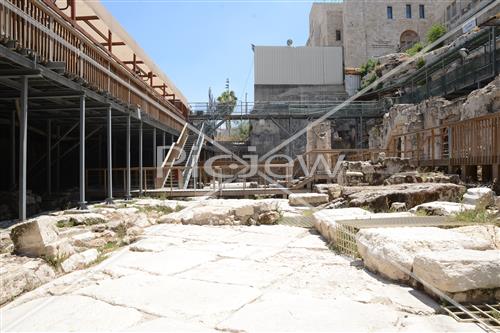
x,y
468,142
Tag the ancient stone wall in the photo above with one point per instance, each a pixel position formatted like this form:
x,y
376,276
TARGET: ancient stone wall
x,y
368,33
319,137
433,112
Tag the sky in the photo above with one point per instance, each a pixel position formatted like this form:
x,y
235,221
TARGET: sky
x,y
199,44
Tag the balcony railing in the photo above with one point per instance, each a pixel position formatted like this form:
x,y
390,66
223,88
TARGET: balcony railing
x,y
42,29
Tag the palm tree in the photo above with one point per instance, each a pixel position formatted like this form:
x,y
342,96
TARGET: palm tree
x,y
226,103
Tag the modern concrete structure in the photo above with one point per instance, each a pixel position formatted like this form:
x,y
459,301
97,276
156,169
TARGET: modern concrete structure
x,y
367,29
296,74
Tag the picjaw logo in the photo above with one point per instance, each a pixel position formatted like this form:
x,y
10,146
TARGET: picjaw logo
x,y
251,166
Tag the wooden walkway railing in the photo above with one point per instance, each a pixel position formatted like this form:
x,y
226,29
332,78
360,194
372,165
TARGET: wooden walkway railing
x,y
469,142
42,29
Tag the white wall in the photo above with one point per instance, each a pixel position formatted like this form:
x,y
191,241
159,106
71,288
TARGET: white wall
x,y
276,65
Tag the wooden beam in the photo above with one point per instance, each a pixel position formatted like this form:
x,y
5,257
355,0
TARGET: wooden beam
x,y
114,44
110,40
131,62
73,9
97,31
86,18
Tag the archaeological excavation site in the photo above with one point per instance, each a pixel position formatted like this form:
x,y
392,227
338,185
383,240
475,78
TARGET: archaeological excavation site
x,y
355,188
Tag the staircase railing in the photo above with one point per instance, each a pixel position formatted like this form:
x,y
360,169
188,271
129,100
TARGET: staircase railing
x,y
193,158
173,154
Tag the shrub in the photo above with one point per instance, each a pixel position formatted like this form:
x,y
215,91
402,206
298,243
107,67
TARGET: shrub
x,y
368,67
369,81
121,231
55,261
420,63
435,32
477,215
417,47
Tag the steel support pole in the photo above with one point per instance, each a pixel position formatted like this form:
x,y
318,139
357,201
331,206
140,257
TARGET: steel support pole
x,y
163,139
58,160
154,146
140,159
109,131
494,50
49,157
23,147
82,204
13,150
127,194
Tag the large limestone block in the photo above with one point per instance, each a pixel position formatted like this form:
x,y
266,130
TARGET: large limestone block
x,y
459,270
216,212
441,208
488,233
79,260
169,325
479,196
325,220
173,297
391,251
32,238
68,313
305,199
203,215
17,275
380,198
334,191
59,249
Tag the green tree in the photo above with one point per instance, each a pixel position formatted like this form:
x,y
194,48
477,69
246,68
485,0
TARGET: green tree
x,y
226,102
435,32
245,129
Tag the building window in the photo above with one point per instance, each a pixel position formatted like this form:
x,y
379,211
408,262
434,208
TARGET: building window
x,y
389,13
408,11
421,10
338,35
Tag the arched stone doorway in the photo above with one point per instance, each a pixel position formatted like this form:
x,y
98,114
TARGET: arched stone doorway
x,y
408,39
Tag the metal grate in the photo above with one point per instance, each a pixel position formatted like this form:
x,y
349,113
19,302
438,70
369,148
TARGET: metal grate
x,y
488,314
345,240
297,221
345,231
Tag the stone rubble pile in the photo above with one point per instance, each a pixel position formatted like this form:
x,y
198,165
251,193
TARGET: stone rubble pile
x,y
231,212
387,171
40,249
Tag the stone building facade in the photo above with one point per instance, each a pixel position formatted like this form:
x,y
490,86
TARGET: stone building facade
x,y
367,29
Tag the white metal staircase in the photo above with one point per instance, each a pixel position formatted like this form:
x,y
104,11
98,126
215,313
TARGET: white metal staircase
x,y
182,158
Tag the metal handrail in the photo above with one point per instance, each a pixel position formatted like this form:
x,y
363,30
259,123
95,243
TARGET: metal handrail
x,y
173,154
193,157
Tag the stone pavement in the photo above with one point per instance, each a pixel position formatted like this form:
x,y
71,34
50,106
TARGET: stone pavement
x,y
202,278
